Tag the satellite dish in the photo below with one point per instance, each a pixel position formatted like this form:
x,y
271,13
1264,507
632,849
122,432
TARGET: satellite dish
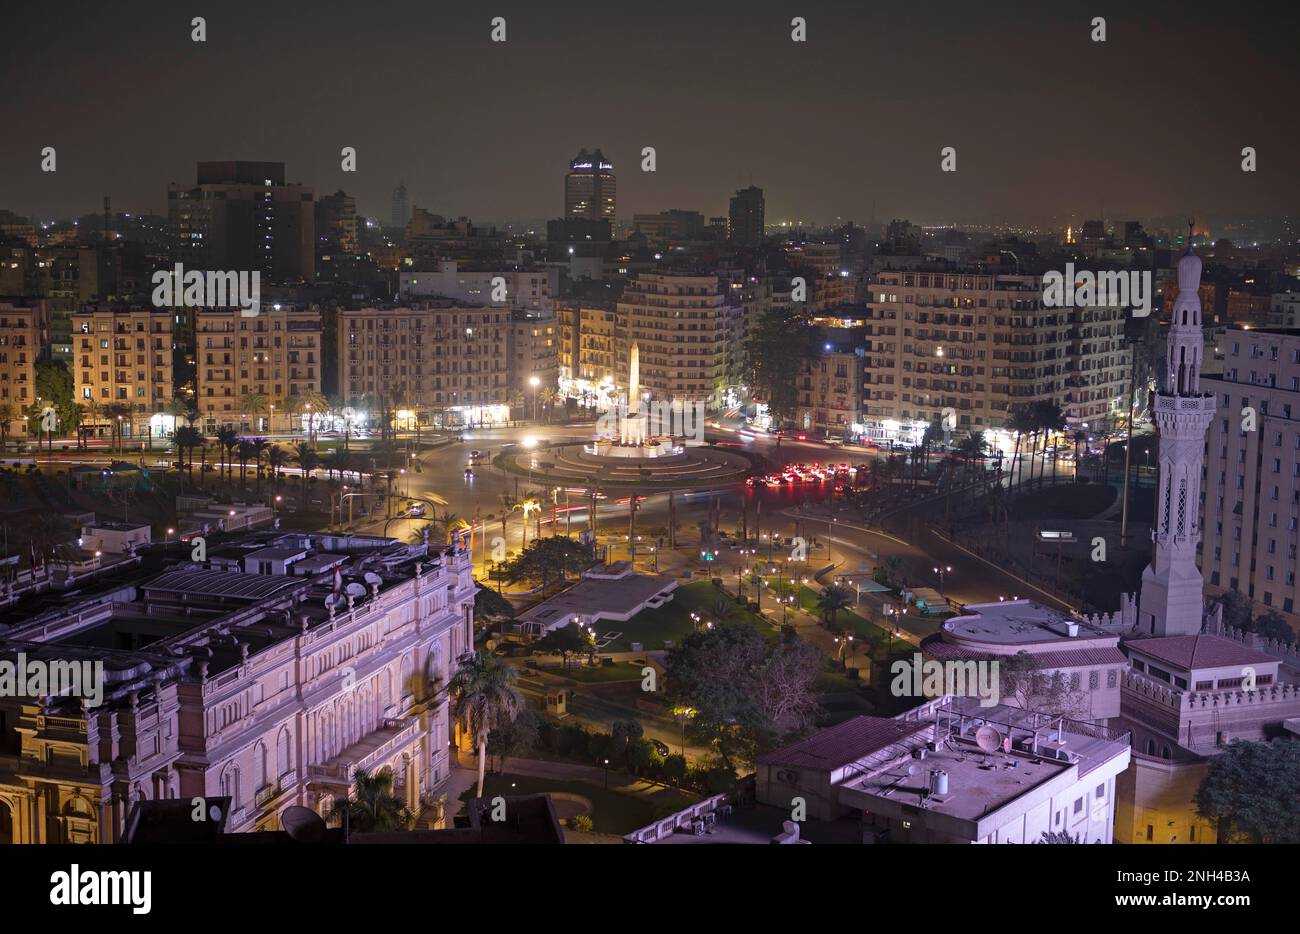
x,y
302,824
331,599
373,578
911,770
988,738
356,590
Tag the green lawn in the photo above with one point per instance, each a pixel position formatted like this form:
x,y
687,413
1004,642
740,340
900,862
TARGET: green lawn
x,y
612,812
599,674
672,621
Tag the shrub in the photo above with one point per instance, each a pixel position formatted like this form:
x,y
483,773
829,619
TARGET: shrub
x,y
581,823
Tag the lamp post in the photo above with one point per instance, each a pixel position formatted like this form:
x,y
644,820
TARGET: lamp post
x,y
941,571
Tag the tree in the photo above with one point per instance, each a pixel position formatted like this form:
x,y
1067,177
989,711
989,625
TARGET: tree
x,y
625,734
1272,626
513,737
261,448
1236,609
228,439
774,358
484,697
489,605
247,451
252,403
1252,792
8,413
1022,423
546,559
187,438
1033,688
568,640
276,459
372,805
831,600
308,460
747,694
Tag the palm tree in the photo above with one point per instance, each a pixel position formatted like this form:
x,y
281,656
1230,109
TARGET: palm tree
x,y
485,698
252,403
7,414
372,805
260,447
308,460
314,404
276,458
1049,419
1021,422
831,600
971,448
247,451
187,438
91,410
228,439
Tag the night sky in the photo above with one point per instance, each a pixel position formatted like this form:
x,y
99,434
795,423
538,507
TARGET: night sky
x,y
1046,123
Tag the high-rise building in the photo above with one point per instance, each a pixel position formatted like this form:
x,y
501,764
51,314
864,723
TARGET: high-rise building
x,y
982,344
122,357
242,216
401,207
24,330
1172,603
590,189
528,290
745,219
1252,472
274,357
687,332
438,363
336,221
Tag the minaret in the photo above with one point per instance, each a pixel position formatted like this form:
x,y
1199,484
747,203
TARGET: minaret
x,y
1172,587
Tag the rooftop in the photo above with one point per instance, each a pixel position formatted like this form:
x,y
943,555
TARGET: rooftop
x,y
617,598
1203,651
1016,623
843,744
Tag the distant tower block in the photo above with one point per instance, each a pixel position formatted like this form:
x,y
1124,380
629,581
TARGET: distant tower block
x,y
1171,603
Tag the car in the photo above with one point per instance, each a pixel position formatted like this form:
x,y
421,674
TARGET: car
x,y
416,511
475,455
469,473
661,747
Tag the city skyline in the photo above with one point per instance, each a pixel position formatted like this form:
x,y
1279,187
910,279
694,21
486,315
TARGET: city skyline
x,y
495,151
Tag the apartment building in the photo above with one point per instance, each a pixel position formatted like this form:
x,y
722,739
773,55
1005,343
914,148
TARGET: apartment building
x,y
442,363
688,334
531,291
982,344
122,370
24,325
275,355
533,350
592,363
246,676
830,394
1252,471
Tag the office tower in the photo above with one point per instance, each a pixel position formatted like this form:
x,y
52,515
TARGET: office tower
x,y
590,189
242,216
401,206
745,220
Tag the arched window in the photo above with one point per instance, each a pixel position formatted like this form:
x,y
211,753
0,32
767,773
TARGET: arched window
x,y
230,785
261,769
408,672
1151,747
282,761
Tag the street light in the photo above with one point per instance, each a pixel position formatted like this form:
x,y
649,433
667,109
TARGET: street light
x,y
941,571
